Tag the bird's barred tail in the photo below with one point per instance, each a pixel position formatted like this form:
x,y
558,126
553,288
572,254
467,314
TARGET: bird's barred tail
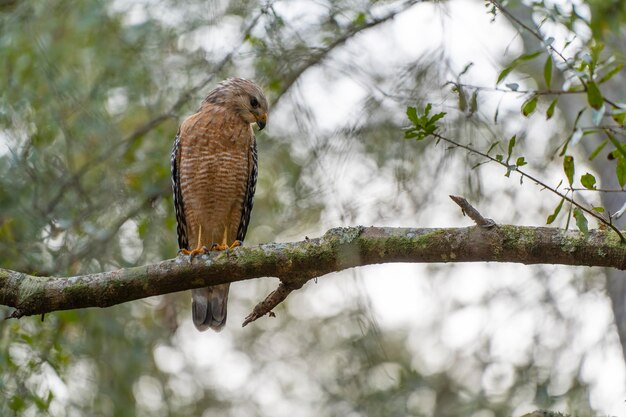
x,y
208,307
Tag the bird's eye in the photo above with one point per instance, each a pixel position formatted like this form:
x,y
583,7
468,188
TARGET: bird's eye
x,y
254,102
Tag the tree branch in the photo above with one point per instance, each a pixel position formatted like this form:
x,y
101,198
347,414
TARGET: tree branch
x,y
297,262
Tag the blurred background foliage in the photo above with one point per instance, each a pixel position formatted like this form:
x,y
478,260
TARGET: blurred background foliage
x,y
92,94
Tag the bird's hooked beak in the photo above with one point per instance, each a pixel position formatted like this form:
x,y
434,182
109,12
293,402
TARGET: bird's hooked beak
x,y
261,121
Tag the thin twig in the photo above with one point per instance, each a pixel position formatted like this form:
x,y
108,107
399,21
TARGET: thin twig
x,y
599,190
535,180
272,300
548,92
537,35
318,57
471,212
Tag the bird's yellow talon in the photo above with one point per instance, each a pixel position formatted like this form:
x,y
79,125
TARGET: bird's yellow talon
x,y
197,251
217,247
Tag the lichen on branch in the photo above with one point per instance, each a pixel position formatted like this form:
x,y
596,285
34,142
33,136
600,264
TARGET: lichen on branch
x,y
295,263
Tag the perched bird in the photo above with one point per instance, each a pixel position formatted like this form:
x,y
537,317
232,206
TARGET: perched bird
x,y
214,172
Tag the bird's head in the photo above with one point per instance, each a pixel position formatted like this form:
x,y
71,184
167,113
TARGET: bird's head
x,y
243,97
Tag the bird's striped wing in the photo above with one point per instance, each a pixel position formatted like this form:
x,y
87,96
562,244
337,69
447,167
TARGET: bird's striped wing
x,y
181,227
249,198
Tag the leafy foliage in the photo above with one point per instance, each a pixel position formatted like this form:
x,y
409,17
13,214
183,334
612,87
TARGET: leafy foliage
x,y
424,125
584,72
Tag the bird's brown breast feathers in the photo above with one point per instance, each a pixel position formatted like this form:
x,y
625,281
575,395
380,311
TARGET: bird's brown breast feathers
x,y
215,164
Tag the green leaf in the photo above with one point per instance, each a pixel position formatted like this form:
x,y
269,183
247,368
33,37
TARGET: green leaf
x,y
503,74
588,181
547,71
568,167
620,171
596,50
520,162
611,73
598,209
493,145
581,221
598,149
552,217
594,96
423,125
462,99
143,227
410,134
529,106
17,403
499,158
526,57
474,102
550,111
529,56
411,112
511,146
619,116
618,145
436,117
359,20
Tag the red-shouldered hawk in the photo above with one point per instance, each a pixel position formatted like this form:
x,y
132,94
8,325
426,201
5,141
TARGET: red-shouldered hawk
x,y
214,171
